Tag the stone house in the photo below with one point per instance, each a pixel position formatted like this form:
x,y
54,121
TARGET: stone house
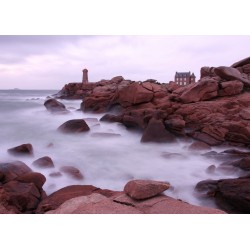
x,y
184,78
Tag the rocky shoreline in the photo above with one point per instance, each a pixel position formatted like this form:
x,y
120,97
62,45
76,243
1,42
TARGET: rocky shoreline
x,y
215,111
21,192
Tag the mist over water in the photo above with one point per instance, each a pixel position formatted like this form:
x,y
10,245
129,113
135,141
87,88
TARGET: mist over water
x,y
105,162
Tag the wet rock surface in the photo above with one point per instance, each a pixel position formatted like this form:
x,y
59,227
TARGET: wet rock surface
x,y
74,126
44,162
24,149
231,195
55,106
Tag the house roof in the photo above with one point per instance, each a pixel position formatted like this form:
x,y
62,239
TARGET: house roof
x,y
183,74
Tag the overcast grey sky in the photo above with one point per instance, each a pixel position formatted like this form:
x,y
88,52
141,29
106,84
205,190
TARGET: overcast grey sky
x,y
49,62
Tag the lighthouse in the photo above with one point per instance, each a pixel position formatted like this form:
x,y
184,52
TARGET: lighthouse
x,y
85,76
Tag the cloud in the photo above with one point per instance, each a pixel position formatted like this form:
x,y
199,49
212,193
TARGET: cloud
x,y
49,62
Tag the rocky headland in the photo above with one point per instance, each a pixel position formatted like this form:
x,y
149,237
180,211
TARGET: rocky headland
x,y
215,111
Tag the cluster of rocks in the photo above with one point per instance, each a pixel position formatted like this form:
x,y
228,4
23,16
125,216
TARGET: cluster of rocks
x,y
214,111
21,191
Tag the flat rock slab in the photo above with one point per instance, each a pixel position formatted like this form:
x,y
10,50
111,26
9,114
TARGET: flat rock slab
x,y
94,204
143,189
123,204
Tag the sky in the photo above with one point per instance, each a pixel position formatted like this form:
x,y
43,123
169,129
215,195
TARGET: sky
x,y
49,62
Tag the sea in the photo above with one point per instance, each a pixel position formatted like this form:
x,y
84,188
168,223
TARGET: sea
x,y
107,163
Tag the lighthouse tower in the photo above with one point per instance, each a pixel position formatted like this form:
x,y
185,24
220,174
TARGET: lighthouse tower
x,y
85,76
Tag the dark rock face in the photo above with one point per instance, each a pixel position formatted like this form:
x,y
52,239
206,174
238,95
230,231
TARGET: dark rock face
x,y
74,126
243,163
54,106
231,195
111,118
44,162
22,196
24,149
156,132
143,189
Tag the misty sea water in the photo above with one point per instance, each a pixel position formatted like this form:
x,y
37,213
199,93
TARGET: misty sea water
x,y
104,162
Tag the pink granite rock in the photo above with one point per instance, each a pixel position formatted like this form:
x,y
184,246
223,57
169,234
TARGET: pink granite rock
x,y
143,189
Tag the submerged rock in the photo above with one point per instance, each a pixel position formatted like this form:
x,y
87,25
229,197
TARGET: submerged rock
x,y
24,149
44,162
74,126
198,145
73,172
156,132
55,106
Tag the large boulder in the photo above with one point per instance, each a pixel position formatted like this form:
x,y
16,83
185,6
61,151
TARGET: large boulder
x,y
12,170
134,94
144,189
24,149
117,79
207,72
23,197
241,62
229,73
54,106
230,88
175,124
37,178
57,198
156,132
231,195
74,126
204,90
